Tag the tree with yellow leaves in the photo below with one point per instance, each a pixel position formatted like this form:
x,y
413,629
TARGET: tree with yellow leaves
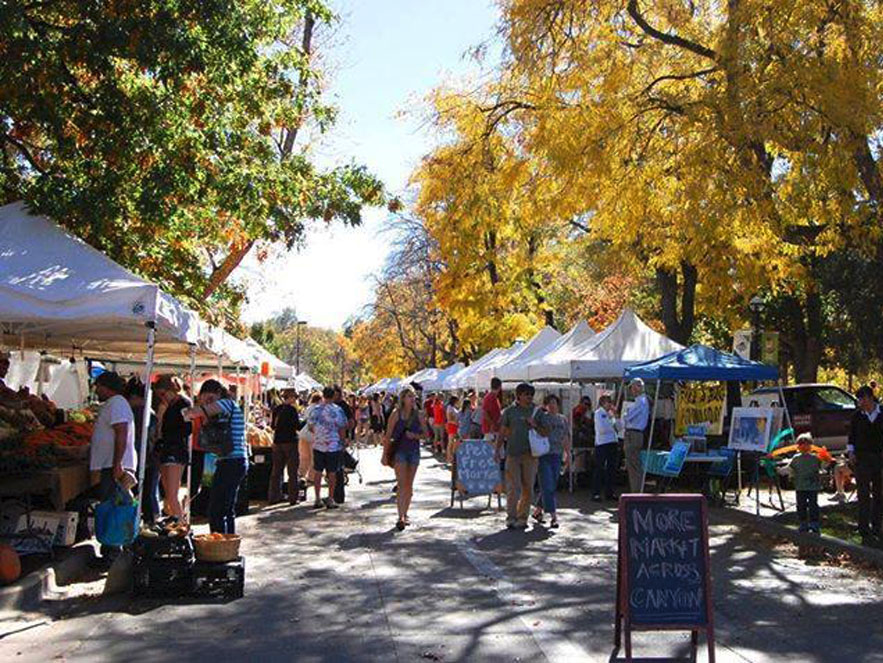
x,y
724,146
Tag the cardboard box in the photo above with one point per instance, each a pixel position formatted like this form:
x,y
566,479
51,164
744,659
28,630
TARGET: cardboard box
x,y
62,525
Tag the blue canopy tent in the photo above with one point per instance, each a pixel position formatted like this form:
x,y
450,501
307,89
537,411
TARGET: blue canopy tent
x,y
700,363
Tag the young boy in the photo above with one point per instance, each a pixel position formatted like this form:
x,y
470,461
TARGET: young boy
x,y
805,468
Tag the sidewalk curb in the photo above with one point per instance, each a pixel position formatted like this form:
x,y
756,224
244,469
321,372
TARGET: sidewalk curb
x,y
27,594
765,526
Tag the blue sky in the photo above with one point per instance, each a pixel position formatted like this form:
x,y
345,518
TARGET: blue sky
x,y
386,56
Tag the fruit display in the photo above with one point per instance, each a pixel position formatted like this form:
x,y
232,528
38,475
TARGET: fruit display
x,y
17,457
30,447
81,416
66,435
259,437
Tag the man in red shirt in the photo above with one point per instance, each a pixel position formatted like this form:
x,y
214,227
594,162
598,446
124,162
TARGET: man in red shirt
x,y
438,423
491,411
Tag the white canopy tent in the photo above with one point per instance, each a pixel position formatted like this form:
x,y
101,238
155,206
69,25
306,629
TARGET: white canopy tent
x,y
278,368
481,377
422,375
59,293
626,342
437,382
377,387
459,380
554,363
515,369
302,382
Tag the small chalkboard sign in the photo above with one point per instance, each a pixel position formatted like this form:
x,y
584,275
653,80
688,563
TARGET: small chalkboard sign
x,y
663,579
478,473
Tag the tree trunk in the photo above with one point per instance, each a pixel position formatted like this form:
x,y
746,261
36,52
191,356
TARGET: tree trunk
x,y
490,247
222,272
678,325
237,253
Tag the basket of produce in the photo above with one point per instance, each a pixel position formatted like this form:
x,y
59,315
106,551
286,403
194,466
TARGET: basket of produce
x,y
217,547
259,437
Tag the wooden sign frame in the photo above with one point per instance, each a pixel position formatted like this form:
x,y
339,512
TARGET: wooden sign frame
x,y
624,624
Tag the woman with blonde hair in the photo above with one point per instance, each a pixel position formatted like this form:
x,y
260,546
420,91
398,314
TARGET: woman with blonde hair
x,y
401,450
173,446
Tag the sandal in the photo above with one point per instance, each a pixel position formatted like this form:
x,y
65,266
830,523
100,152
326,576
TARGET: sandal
x,y
400,525
554,523
538,516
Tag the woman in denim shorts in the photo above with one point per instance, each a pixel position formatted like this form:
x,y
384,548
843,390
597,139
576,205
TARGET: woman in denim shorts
x,y
407,426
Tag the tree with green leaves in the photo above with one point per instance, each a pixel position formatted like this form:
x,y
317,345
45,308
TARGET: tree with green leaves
x,y
164,132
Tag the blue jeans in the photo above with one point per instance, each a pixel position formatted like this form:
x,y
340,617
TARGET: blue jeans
x,y
606,464
548,471
808,510
229,473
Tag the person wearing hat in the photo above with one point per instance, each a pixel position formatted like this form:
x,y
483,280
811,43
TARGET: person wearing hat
x,y
636,418
112,452
172,446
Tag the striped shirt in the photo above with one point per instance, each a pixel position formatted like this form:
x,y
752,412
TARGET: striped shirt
x,y
233,413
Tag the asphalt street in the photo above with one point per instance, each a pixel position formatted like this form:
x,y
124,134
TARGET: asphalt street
x,y
455,586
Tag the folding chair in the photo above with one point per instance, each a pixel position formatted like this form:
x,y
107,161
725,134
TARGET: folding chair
x,y
667,467
718,476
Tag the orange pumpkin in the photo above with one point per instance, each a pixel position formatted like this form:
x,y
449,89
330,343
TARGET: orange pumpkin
x,y
10,565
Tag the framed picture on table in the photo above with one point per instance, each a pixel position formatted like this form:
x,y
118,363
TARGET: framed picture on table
x,y
750,428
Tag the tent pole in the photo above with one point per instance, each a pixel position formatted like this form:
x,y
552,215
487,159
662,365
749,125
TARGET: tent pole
x,y
652,426
785,407
145,420
191,351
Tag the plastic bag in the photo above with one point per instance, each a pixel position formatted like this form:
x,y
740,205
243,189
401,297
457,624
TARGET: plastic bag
x,y
208,469
116,519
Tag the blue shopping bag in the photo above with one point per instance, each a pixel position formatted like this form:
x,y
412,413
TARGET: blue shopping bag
x,y
116,519
209,465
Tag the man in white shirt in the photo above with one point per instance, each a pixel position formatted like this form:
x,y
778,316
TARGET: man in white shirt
x,y
112,452
636,418
606,450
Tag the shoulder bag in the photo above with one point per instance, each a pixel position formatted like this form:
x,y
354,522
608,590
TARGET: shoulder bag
x,y
539,445
216,435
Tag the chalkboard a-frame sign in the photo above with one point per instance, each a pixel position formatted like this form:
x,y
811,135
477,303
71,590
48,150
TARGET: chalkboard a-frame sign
x,y
663,572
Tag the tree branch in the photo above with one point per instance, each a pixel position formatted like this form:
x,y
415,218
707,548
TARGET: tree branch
x,y
671,40
680,77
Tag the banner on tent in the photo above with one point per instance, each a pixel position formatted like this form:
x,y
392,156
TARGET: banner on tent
x,y
700,403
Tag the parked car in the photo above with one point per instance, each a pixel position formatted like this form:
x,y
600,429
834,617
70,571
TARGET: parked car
x,y
824,410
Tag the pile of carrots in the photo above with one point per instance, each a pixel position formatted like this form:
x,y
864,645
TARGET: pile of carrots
x,y
66,435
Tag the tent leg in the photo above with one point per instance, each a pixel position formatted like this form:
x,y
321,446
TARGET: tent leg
x,y
650,439
787,414
145,420
191,351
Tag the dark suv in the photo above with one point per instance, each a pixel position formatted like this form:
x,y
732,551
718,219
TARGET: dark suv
x,y
823,410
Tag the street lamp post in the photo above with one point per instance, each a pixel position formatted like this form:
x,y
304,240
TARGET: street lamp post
x,y
757,306
297,344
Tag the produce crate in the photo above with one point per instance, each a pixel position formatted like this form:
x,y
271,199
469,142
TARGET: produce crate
x,y
224,580
162,578
259,475
163,548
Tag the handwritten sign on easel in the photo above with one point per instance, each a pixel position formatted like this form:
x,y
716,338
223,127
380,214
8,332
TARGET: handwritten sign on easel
x,y
663,577
478,473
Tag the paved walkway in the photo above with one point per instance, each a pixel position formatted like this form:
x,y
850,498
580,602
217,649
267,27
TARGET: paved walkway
x,y
456,586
